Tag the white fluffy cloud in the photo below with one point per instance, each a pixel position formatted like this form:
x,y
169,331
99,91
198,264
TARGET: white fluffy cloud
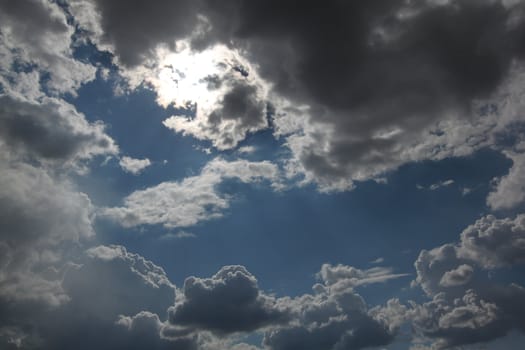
x,y
192,200
133,165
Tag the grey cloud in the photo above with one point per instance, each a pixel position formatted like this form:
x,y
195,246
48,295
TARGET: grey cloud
x,y
378,76
343,276
145,330
135,28
36,34
130,284
336,317
228,302
113,300
495,242
509,190
384,83
432,265
458,276
469,320
39,216
51,130
467,306
357,333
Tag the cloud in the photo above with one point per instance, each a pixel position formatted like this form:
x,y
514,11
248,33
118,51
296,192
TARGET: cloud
x,y
125,284
467,306
336,317
36,35
222,101
457,276
469,320
247,149
437,98
178,235
509,191
39,216
133,165
192,200
344,277
228,302
133,31
440,184
103,287
51,131
495,242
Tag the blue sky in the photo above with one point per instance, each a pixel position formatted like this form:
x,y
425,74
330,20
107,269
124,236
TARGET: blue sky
x,y
252,175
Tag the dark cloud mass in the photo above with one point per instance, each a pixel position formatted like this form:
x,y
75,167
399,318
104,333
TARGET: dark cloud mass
x,y
378,76
136,27
51,130
228,302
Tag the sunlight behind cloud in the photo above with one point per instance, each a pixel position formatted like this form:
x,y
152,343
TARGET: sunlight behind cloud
x,y
220,96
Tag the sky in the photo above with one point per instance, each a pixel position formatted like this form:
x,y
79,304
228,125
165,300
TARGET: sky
x,y
262,174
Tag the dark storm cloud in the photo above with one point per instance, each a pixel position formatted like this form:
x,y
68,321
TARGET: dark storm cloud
x,y
38,12
228,302
367,69
377,75
51,130
136,27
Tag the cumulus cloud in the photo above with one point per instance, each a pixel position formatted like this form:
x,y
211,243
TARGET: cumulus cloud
x,y
336,317
133,165
192,200
469,320
36,34
457,276
51,131
495,242
228,302
468,307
